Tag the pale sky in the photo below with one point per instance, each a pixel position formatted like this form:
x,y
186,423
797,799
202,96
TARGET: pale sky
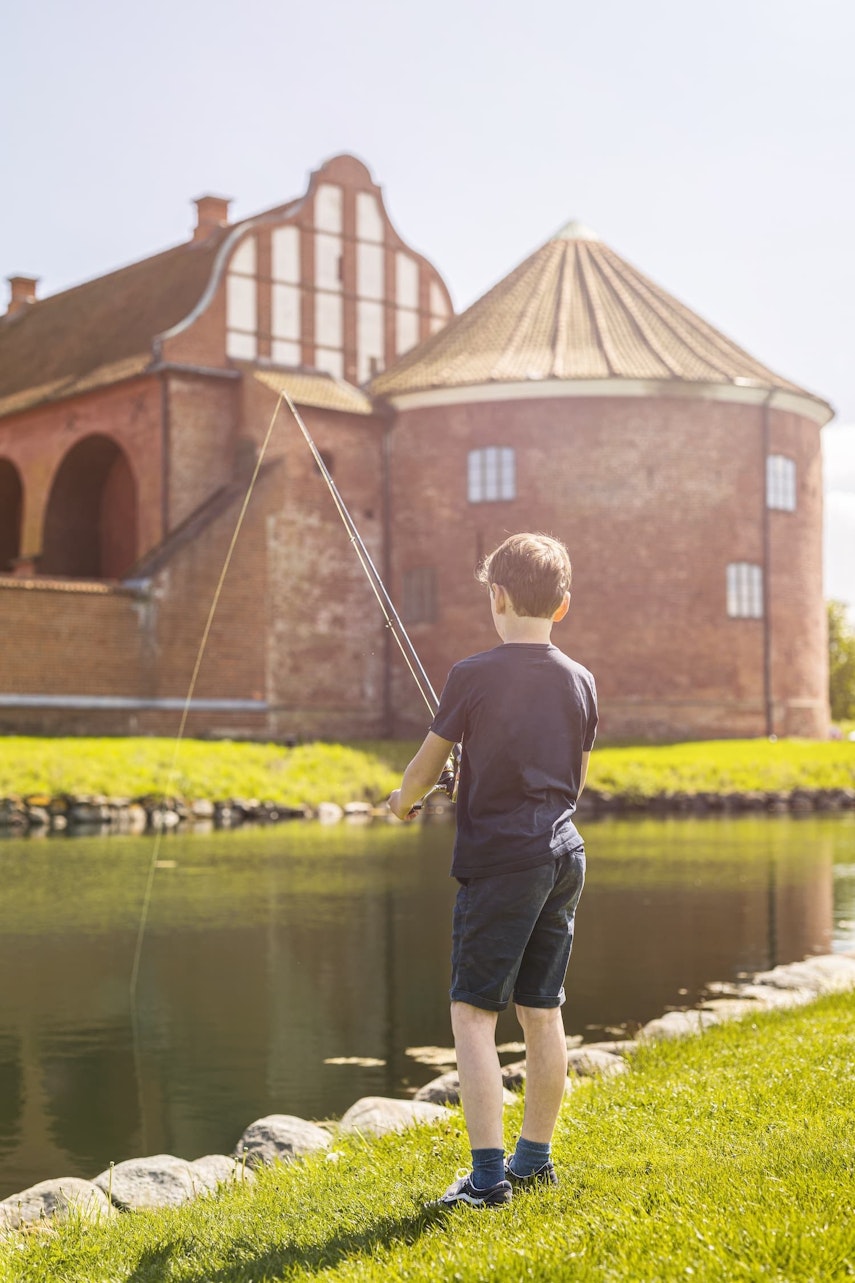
x,y
709,144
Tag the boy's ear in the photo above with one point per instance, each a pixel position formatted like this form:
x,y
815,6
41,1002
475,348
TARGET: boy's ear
x,y
500,598
562,609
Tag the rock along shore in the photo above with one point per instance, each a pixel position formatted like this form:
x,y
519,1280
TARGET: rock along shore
x,y
86,814
163,1180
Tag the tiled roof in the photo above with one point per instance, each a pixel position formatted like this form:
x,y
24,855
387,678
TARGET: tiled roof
x,y
324,391
97,378
574,310
100,331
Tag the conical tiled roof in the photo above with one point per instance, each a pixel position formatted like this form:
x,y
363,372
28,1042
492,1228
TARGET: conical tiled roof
x,y
575,310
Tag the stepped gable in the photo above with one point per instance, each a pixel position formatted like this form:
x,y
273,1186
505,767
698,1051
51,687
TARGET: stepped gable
x,y
575,310
103,330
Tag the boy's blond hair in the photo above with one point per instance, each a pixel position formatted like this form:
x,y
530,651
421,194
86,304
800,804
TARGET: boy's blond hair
x,y
534,571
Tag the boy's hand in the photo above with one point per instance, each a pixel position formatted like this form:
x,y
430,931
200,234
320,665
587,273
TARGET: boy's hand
x,y
395,804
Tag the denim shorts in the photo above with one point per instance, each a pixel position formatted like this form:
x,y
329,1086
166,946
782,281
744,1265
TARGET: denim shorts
x,y
512,934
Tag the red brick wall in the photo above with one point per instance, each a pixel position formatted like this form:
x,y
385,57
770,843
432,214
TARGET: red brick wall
x,y
654,498
38,441
325,632
202,433
68,640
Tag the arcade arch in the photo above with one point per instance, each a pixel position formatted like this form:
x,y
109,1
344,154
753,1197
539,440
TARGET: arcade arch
x,y
90,529
11,504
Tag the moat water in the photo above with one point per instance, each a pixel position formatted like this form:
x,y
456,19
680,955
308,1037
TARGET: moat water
x,y
271,952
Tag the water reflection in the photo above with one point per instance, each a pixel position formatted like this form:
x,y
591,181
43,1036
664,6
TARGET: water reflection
x,y
272,951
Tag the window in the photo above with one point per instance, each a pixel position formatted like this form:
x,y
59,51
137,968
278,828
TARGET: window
x,y
419,595
744,590
241,319
492,474
781,482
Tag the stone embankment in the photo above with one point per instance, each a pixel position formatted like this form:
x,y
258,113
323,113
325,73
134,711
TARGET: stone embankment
x,y
90,814
775,802
162,1180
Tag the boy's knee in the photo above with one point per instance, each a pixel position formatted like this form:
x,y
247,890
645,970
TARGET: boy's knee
x,y
538,1017
465,1015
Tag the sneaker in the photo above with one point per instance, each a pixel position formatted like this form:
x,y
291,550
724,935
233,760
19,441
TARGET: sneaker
x,y
545,1175
463,1191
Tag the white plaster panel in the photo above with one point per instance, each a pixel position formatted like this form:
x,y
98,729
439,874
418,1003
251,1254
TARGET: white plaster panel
x,y
330,361
244,258
328,320
286,311
328,207
241,303
406,330
286,254
285,352
327,261
369,338
369,220
243,347
438,305
369,271
407,281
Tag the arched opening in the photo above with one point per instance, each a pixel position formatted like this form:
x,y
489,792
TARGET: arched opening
x,y
91,519
11,502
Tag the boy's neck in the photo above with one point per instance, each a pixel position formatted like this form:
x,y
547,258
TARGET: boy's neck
x,y
520,629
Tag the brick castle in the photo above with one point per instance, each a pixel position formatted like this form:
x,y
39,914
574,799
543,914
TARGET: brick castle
x,y
575,397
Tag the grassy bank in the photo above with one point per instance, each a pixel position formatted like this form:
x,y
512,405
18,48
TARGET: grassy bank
x,y
313,773
721,1158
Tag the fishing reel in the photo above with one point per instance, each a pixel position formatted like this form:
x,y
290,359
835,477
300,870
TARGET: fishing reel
x,y
448,781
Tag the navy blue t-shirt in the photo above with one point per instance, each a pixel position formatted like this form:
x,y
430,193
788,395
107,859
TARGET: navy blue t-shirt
x,y
524,713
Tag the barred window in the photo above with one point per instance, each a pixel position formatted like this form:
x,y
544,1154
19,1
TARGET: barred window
x,y
781,482
419,595
744,590
492,474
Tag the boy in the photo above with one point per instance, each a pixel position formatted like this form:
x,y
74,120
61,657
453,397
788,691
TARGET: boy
x,y
526,716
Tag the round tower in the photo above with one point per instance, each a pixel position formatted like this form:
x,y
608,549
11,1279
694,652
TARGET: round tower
x,y
577,397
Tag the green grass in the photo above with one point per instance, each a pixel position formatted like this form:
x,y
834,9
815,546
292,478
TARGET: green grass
x,y
313,773
724,766
724,1157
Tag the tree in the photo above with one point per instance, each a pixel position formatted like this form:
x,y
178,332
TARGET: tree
x,y
841,663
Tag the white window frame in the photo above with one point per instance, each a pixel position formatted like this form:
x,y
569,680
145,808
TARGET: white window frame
x,y
744,590
781,482
491,474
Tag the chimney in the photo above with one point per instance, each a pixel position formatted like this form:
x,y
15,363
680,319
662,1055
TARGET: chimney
x,y
211,212
23,293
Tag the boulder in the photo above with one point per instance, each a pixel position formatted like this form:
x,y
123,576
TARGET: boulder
x,y
55,1198
445,1090
214,1170
589,1062
377,1115
282,1137
161,1180
678,1024
513,1075
330,812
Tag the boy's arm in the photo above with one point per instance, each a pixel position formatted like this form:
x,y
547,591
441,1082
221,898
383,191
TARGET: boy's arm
x,y
421,775
586,757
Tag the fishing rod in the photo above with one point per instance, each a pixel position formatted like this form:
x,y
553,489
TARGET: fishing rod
x,y
448,780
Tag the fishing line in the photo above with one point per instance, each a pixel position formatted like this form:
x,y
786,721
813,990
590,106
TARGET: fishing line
x,y
173,767
393,621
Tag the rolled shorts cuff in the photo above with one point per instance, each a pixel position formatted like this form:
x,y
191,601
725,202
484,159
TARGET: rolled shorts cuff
x,y
540,1000
475,1000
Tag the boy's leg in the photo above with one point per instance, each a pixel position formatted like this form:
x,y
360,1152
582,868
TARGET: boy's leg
x,y
480,1074
546,1070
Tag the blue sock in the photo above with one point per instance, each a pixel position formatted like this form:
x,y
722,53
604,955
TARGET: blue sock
x,y
488,1167
529,1156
